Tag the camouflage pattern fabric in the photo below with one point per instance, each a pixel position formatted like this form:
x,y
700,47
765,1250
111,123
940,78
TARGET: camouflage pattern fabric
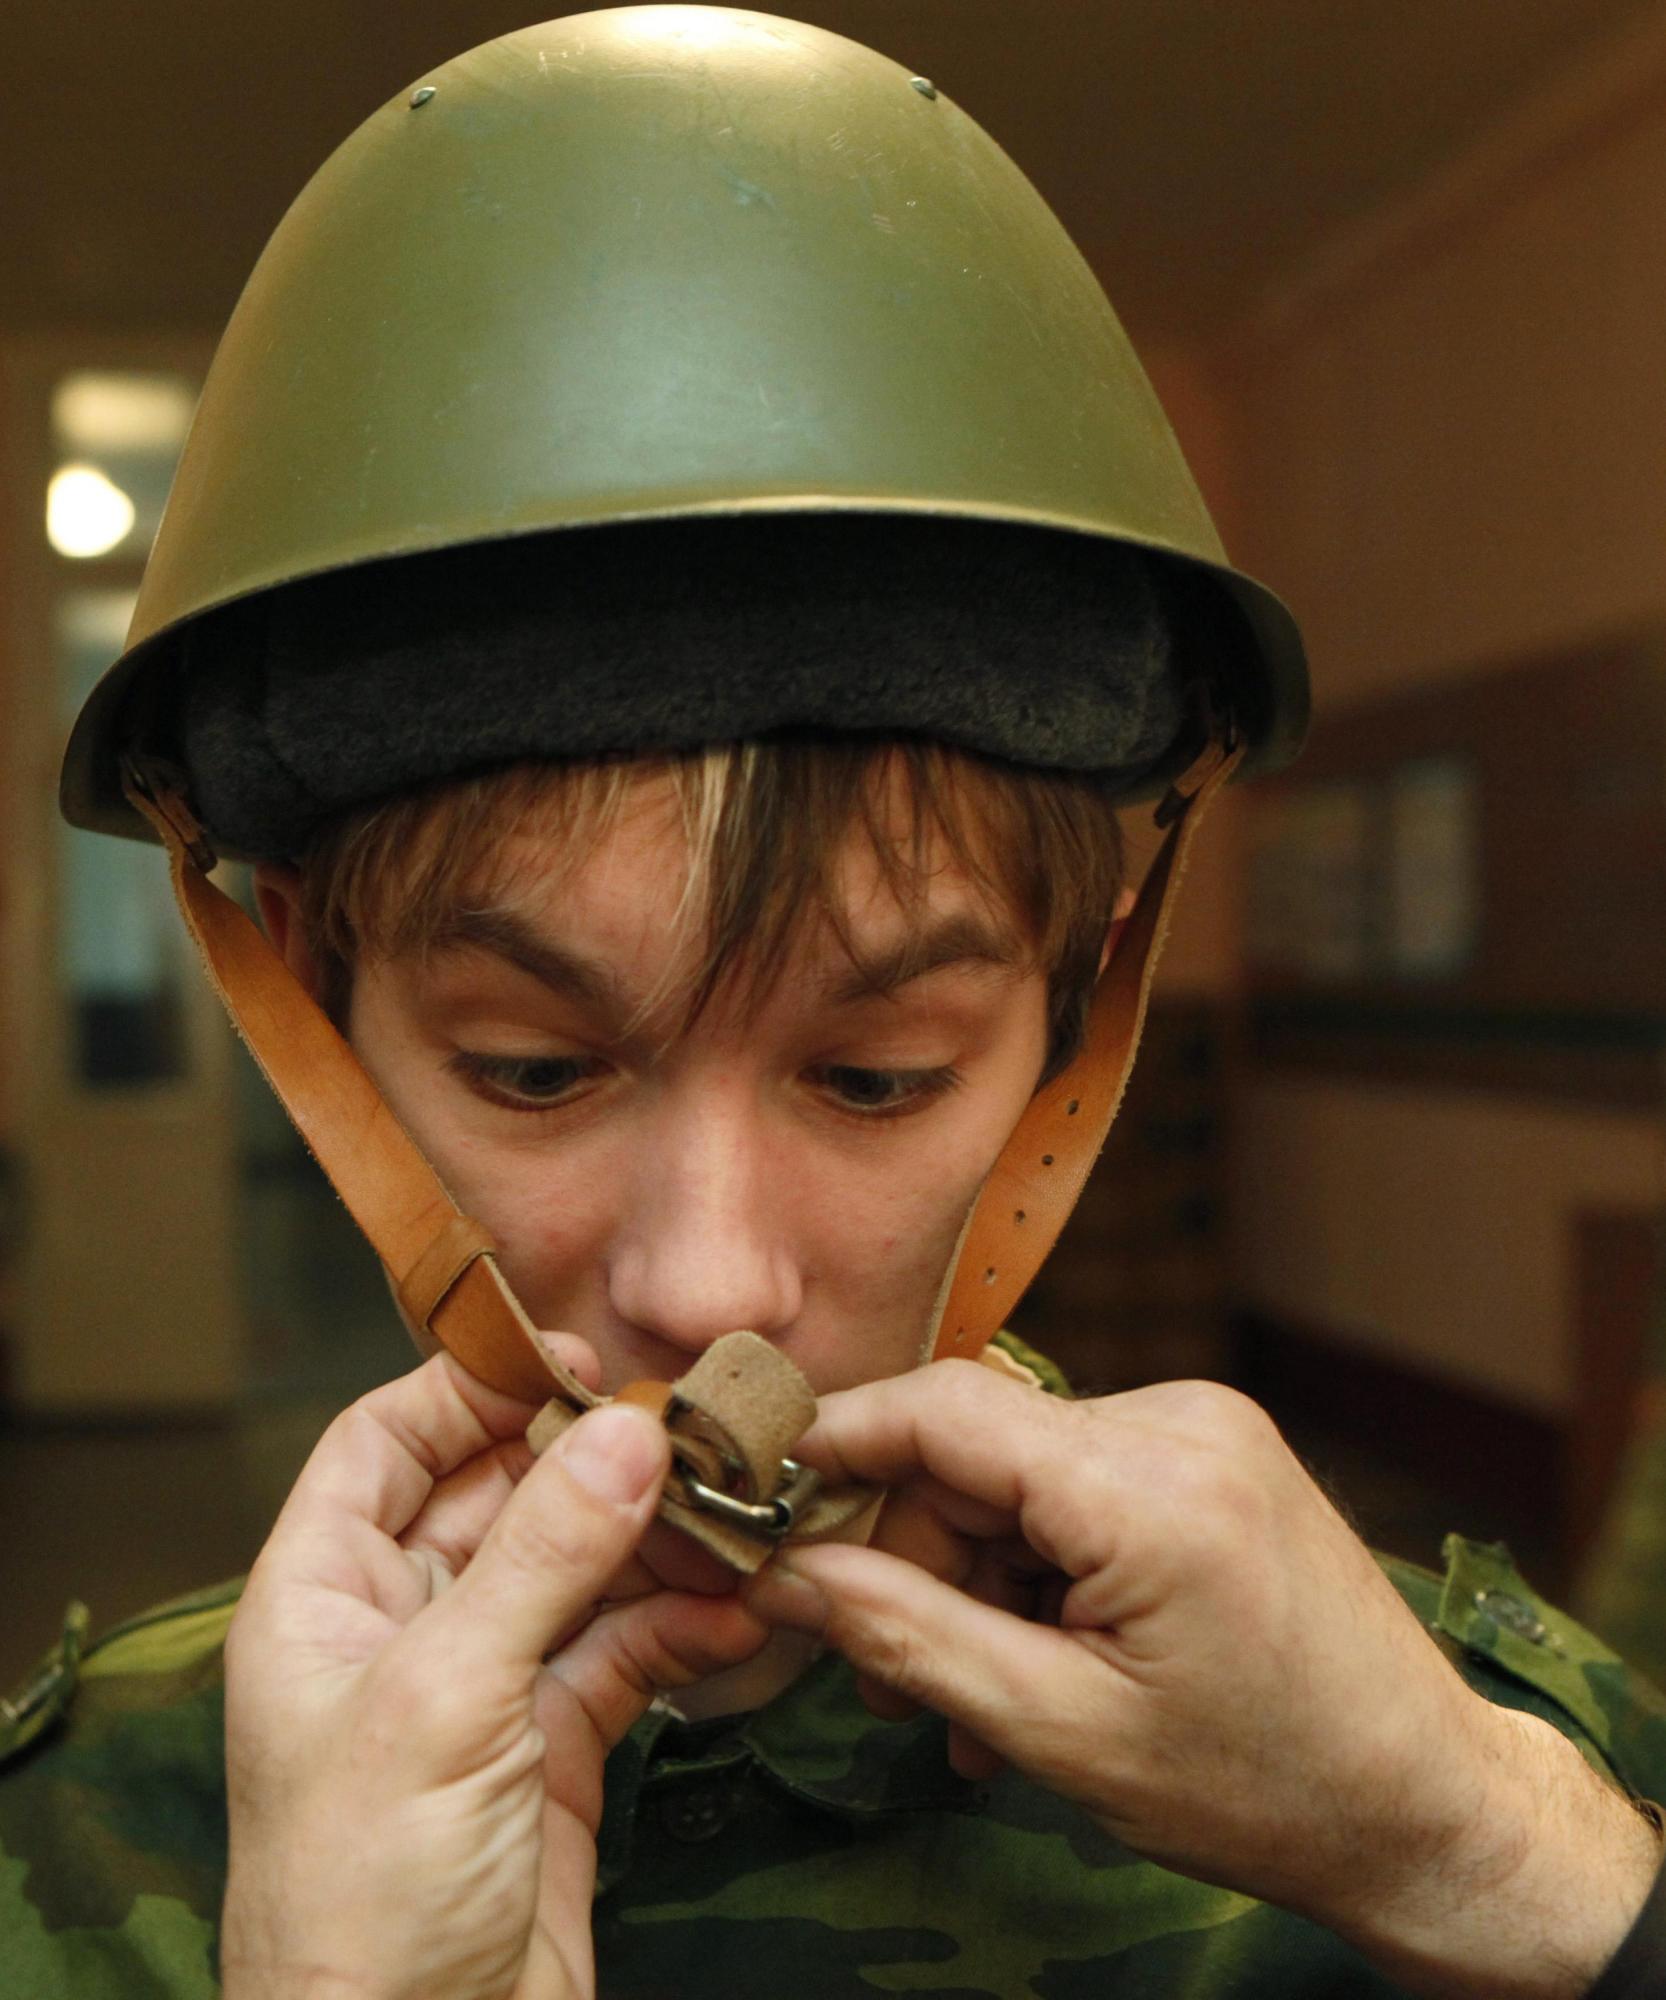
x,y
805,1849
112,1811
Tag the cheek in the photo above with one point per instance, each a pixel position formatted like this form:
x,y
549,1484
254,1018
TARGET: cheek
x,y
911,1218
551,1210
876,1244
547,1207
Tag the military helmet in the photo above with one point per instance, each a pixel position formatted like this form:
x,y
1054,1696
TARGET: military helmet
x,y
658,376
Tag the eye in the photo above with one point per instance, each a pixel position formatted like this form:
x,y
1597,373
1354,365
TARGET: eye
x,y
526,1083
878,1092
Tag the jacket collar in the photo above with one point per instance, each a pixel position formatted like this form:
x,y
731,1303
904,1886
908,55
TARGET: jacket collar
x,y
816,1740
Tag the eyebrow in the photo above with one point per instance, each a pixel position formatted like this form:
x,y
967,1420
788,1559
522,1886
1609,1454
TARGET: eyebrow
x,y
962,939
569,973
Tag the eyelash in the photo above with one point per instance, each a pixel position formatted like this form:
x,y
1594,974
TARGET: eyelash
x,y
496,1077
913,1088
502,1079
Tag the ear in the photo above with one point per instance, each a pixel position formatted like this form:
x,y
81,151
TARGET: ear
x,y
278,898
1124,907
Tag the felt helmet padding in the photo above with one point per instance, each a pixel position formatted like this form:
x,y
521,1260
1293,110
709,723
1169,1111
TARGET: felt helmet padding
x,y
1039,648
675,265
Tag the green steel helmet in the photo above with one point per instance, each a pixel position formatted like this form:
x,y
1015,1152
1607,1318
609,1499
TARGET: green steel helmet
x,y
660,376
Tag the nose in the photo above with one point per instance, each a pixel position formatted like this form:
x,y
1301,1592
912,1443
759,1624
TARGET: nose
x,y
704,1246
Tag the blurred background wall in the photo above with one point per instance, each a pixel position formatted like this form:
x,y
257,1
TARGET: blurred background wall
x,y
1443,439
1393,1158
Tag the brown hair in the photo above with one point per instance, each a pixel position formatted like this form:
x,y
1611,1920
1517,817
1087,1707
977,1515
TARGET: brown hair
x,y
765,823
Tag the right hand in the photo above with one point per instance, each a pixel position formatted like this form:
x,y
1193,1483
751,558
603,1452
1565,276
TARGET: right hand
x,y
422,1683
1144,1603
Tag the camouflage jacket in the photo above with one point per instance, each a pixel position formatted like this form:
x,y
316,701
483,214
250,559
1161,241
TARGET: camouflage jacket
x,y
806,1849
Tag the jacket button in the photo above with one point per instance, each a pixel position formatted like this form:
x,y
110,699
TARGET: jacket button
x,y
699,1813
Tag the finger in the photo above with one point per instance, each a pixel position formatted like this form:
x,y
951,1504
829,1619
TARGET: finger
x,y
1002,1576
566,1529
1058,1472
927,1524
604,1680
1011,1577
976,1665
461,1509
455,1518
380,1459
971,1757
935,1528
632,1652
979,1435
884,1702
919,1525
673,1562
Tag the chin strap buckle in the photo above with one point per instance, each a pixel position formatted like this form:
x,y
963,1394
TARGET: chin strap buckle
x,y
1221,745
163,787
770,1520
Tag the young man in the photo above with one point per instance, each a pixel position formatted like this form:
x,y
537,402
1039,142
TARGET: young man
x,y
675,568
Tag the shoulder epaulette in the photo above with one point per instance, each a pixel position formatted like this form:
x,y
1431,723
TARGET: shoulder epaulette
x,y
158,1641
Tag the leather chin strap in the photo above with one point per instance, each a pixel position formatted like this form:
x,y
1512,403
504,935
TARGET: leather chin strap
x,y
735,1417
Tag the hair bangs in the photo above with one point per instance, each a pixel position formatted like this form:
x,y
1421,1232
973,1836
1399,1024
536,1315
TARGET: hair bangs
x,y
766,827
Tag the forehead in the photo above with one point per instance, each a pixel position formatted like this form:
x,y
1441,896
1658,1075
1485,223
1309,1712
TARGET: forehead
x,y
637,917
660,890
751,848
613,920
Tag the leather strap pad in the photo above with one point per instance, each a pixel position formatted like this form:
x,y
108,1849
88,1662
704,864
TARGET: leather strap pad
x,y
1032,1187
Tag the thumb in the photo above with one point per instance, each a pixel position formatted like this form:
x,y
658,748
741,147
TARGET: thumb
x,y
547,1558
977,1665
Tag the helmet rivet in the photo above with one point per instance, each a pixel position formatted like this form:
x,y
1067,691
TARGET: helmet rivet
x,y
421,95
924,85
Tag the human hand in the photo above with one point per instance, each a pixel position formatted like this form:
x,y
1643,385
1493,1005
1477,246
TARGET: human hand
x,y
1145,1604
422,1683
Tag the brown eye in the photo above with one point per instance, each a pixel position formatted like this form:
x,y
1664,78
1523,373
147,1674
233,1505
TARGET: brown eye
x,y
530,1083
877,1091
867,1089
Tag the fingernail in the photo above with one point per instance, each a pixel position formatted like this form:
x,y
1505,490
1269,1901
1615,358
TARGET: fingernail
x,y
614,1453
781,1596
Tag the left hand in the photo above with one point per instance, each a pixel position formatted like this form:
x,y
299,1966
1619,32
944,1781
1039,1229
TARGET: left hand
x,y
426,1672
1145,1604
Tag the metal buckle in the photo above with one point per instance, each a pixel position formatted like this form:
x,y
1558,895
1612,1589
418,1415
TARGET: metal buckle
x,y
165,786
1195,776
771,1520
